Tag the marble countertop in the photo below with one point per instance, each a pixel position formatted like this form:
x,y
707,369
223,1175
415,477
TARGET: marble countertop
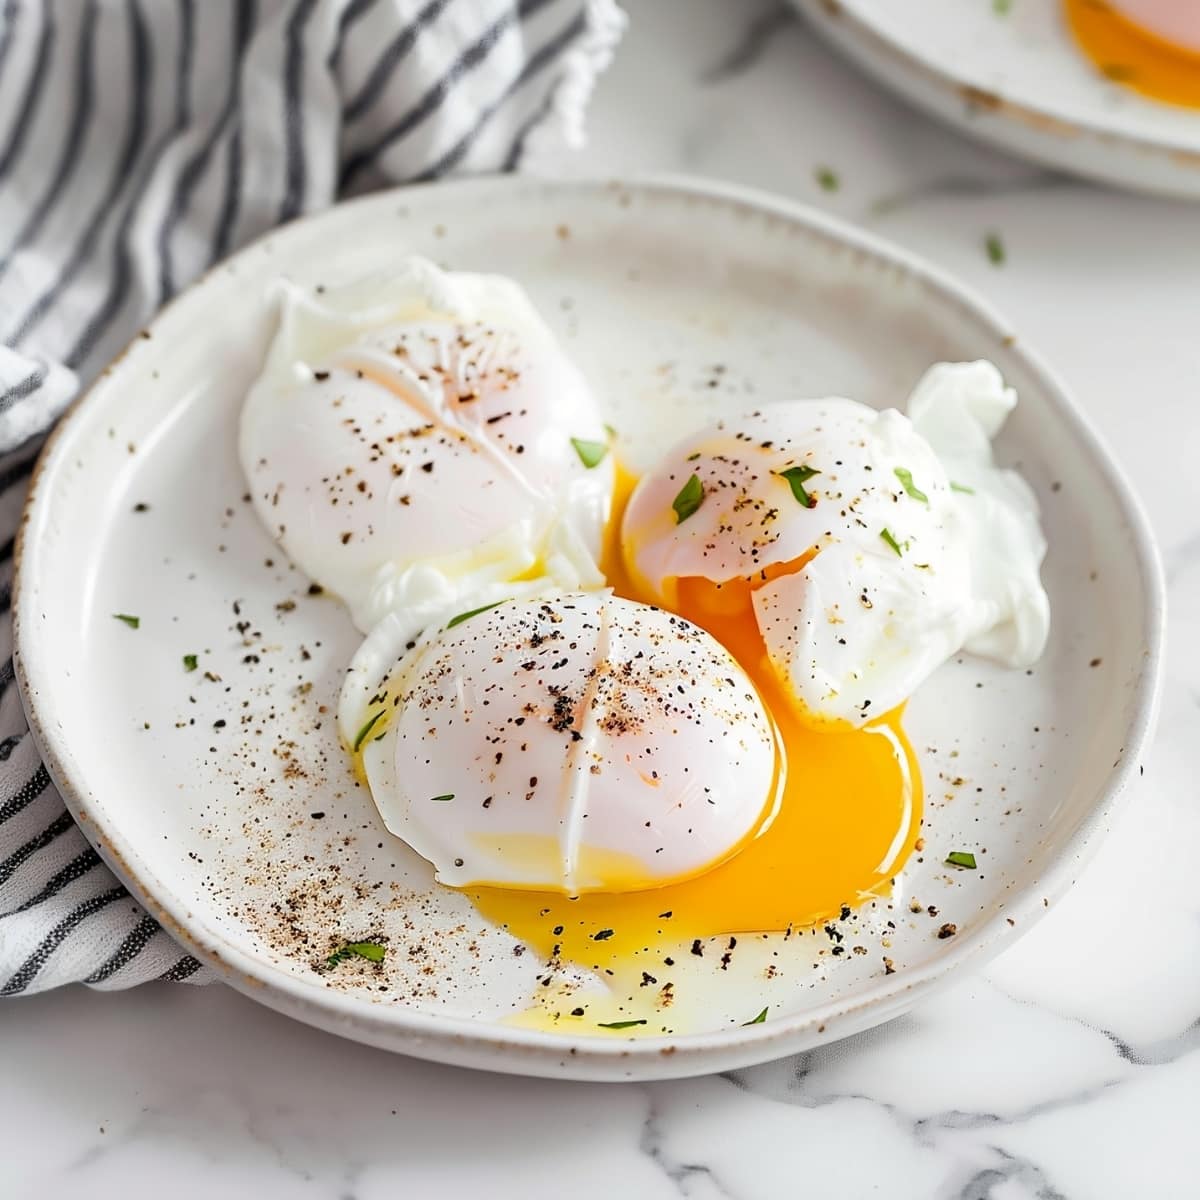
x,y
1069,1067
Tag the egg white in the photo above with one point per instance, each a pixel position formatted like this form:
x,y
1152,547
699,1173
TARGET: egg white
x,y
572,743
920,544
411,440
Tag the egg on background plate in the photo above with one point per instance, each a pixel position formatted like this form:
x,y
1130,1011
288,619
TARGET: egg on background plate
x,y
1151,46
418,435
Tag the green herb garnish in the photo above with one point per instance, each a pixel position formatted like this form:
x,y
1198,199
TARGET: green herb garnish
x,y
762,1016
798,477
591,454
132,622
827,178
366,729
612,433
474,612
886,534
689,499
906,480
961,858
372,951
961,487
1002,7
620,1024
190,662
441,799
995,249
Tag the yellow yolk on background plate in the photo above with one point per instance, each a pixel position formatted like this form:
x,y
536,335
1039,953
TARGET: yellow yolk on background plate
x,y
846,823
1133,56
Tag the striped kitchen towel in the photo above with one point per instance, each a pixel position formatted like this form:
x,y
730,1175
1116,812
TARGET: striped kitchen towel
x,y
142,140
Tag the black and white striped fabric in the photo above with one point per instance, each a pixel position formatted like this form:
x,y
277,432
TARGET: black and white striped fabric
x,y
141,141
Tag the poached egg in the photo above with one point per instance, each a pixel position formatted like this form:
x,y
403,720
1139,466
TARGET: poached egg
x,y
419,435
574,743
865,547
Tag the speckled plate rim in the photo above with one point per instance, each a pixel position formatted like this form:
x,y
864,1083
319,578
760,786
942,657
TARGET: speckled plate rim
x,y
469,1042
1041,131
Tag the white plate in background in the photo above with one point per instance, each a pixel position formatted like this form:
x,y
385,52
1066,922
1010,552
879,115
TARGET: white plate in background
x,y
1016,78
651,286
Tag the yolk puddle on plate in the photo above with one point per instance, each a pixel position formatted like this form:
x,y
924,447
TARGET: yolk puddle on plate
x,y
1136,57
847,821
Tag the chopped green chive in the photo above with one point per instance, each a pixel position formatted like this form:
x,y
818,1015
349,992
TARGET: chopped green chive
x,y
441,799
1002,7
190,662
620,1024
827,179
995,249
798,477
886,534
591,454
474,612
371,951
906,481
366,729
132,622
961,487
961,858
689,499
762,1016
612,433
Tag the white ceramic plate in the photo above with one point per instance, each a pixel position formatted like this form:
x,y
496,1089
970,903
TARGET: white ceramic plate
x,y
1016,79
216,828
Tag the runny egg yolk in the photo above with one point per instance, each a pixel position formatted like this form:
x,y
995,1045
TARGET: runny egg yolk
x,y
1129,54
846,823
